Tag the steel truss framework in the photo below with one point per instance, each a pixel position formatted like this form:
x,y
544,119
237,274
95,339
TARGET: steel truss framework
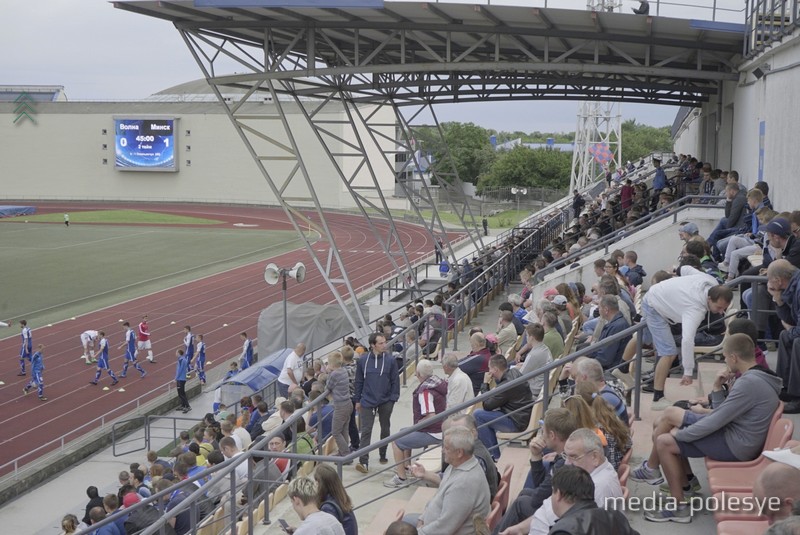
x,y
417,55
598,122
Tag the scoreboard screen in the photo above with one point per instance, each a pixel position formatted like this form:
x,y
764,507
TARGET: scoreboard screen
x,y
145,144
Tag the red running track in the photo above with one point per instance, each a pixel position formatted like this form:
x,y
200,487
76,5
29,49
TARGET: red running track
x,y
235,297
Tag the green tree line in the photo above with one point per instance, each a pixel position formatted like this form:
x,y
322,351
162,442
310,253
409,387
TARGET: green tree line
x,y
476,161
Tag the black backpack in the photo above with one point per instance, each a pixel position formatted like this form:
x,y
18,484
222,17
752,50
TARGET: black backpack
x,y
144,517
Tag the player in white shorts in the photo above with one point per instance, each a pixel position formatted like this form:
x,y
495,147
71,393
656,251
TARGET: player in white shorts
x,y
89,342
144,340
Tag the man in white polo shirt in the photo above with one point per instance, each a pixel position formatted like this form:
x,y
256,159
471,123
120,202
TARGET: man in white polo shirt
x,y
292,371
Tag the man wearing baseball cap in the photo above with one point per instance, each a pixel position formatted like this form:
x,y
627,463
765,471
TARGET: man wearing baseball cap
x,y
687,230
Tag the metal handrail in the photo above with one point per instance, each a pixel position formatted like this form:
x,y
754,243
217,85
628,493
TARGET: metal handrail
x,y
256,451
80,431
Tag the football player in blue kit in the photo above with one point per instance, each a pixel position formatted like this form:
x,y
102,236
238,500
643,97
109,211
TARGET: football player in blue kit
x,y
37,367
200,359
27,346
130,351
102,360
246,360
188,347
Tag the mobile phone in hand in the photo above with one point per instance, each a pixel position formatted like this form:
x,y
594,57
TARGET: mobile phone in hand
x,y
284,525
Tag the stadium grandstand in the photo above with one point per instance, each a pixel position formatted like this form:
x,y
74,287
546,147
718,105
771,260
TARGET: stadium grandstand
x,y
658,309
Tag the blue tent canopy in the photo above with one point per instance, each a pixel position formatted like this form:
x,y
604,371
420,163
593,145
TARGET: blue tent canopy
x,y
254,378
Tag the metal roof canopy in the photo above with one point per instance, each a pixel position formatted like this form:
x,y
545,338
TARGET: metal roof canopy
x,y
417,52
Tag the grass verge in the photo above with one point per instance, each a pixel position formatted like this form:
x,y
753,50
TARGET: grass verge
x,y
116,217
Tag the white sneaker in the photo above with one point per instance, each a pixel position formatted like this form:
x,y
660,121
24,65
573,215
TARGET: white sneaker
x,y
397,483
723,266
625,378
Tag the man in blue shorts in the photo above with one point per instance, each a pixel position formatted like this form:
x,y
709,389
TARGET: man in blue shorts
x,y
188,346
687,300
735,430
37,367
102,360
200,359
27,346
130,351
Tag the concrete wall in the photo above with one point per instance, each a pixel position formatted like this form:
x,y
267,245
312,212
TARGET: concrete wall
x,y
744,106
62,156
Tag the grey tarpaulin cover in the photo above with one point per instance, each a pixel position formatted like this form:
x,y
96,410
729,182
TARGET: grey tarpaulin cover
x,y
316,325
254,378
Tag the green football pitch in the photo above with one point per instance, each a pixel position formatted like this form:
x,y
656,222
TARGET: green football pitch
x,y
51,272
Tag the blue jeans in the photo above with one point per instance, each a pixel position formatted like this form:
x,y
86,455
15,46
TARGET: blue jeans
x,y
721,232
494,421
283,390
590,325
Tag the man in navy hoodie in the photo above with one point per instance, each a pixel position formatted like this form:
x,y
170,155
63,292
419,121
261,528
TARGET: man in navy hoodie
x,y
377,390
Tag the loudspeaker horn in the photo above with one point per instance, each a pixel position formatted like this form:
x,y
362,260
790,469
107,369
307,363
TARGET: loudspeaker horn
x,y
272,274
298,272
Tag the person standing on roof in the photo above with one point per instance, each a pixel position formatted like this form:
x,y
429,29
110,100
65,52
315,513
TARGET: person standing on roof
x,y
643,9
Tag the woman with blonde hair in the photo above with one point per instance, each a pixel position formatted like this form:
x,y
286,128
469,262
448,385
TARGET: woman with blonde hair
x,y
69,524
585,416
333,499
617,433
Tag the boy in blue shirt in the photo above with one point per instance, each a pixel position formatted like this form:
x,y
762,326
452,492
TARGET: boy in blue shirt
x,y
27,346
130,351
37,366
102,360
181,369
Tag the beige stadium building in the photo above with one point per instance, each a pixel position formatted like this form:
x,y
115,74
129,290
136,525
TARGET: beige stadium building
x,y
66,150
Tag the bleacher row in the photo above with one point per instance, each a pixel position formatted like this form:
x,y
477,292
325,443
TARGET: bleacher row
x,y
513,464
729,482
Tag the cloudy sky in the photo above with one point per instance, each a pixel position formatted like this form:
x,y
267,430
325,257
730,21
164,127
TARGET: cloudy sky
x,y
98,52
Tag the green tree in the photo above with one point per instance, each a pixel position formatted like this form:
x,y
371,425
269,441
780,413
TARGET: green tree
x,y
639,140
522,166
469,147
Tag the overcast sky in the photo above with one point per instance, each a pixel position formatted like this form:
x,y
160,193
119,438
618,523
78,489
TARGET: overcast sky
x,y
98,52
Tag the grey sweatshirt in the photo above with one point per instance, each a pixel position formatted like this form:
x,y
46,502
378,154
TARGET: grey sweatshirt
x,y
745,414
462,494
339,386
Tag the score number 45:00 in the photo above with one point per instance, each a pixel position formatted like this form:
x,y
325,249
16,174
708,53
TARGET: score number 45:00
x,y
124,142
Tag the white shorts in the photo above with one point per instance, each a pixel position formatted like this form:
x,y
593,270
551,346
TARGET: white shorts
x,y
144,344
86,340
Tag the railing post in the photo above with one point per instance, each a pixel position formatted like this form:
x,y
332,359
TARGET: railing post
x,y
637,392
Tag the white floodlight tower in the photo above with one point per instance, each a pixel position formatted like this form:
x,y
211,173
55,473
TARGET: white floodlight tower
x,y
598,122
